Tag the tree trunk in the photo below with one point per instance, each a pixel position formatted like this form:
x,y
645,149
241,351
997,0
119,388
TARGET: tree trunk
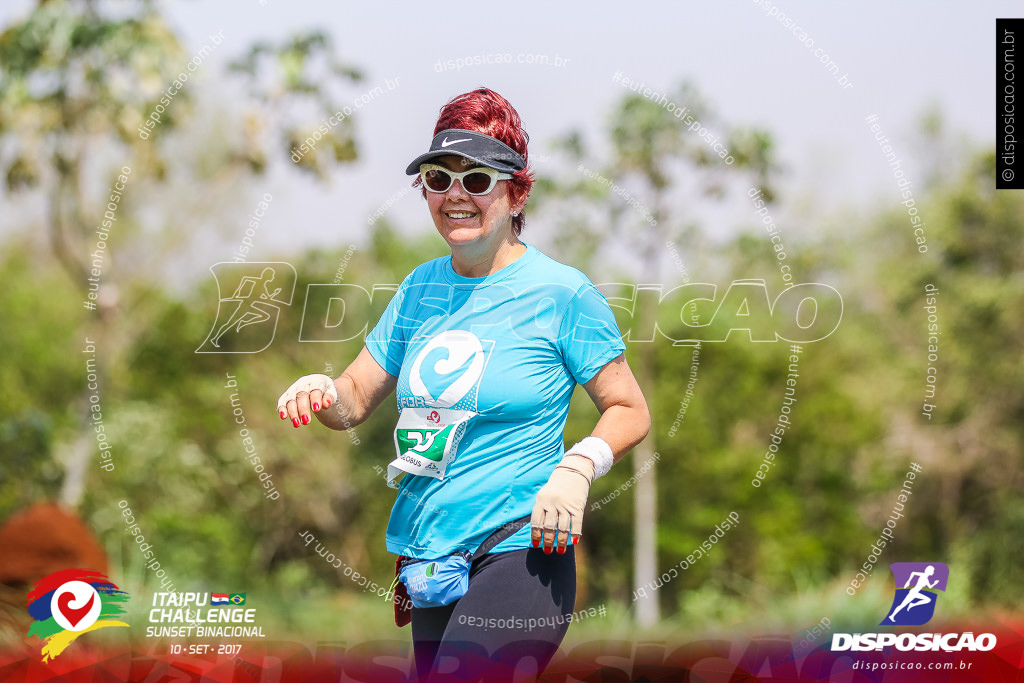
x,y
645,541
66,229
645,536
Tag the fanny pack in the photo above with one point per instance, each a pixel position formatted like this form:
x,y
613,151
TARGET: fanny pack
x,y
439,582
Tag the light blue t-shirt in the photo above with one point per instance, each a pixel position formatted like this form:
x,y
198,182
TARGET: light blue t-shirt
x,y
536,328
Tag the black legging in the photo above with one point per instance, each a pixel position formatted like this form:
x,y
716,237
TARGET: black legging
x,y
512,618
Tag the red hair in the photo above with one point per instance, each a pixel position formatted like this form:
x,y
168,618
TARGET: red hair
x,y
485,111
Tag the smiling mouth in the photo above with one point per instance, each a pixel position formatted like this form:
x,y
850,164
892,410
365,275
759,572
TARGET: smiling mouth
x,y
459,214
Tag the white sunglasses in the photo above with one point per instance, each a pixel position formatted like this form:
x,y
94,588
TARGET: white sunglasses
x,y
475,181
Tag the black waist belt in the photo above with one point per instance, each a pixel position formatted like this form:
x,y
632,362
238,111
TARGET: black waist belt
x,y
500,534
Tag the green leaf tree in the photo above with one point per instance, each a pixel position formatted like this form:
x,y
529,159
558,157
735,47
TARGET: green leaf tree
x,y
98,120
632,199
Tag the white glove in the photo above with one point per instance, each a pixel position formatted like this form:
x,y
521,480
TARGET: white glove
x,y
312,392
560,503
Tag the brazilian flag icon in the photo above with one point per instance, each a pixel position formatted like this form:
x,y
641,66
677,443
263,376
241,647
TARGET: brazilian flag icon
x,y
237,598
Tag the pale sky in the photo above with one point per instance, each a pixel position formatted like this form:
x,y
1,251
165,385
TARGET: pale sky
x,y
900,58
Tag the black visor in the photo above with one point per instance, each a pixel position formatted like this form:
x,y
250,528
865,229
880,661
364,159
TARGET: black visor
x,y
483,149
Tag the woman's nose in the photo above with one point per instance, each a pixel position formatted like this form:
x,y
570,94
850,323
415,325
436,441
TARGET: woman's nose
x,y
456,190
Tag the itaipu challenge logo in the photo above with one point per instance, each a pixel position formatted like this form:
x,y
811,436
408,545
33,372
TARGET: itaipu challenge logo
x,y
70,603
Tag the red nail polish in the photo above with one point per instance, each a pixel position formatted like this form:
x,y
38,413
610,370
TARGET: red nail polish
x,y
305,419
327,403
282,414
561,550
536,543
547,550
295,421
316,407
575,539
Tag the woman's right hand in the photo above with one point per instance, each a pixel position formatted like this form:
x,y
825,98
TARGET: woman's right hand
x,y
309,394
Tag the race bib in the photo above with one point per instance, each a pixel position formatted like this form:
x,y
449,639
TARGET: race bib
x,y
426,441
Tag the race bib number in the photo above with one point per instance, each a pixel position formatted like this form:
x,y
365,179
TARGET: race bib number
x,y
426,441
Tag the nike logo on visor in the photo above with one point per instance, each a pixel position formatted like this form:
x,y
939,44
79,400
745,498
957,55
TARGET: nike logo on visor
x,y
445,143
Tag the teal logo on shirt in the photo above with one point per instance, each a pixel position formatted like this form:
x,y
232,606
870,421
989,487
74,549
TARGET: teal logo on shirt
x,y
438,382
447,368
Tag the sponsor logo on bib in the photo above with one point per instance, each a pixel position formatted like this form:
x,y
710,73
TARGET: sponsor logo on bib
x,y
429,443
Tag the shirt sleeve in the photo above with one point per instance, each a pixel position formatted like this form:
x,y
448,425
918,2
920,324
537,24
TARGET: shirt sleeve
x,y
588,336
386,342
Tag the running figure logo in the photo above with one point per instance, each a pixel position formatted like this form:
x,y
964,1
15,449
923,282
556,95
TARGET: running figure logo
x,y
247,318
914,603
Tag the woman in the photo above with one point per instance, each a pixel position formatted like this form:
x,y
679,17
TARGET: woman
x,y
485,348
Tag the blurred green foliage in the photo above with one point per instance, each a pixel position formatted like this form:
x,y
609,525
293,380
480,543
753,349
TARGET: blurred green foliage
x,y
856,427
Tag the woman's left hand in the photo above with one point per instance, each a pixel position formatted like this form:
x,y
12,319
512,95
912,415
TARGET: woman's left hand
x,y
560,503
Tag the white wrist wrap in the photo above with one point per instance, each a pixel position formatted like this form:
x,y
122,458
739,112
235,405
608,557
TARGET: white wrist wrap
x,y
598,450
